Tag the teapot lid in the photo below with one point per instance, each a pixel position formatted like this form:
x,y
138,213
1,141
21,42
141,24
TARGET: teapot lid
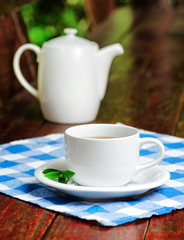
x,y
71,40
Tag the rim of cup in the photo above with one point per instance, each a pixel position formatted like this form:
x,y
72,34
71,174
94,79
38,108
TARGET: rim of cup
x,y
82,132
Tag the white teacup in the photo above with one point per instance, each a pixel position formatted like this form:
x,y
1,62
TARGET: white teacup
x,y
106,155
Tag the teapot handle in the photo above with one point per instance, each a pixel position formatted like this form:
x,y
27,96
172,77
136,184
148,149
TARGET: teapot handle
x,y
17,70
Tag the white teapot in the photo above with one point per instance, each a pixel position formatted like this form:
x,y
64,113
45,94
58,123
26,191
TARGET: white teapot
x,y
72,76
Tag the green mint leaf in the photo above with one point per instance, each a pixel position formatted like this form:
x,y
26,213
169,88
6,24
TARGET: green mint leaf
x,y
52,175
49,170
62,180
62,176
67,174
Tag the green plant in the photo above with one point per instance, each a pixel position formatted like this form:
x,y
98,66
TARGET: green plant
x,y
46,19
61,176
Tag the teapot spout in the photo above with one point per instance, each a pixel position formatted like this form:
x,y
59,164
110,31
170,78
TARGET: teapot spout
x,y
104,59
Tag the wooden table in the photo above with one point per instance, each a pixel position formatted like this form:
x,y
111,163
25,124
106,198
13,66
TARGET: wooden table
x,y
145,90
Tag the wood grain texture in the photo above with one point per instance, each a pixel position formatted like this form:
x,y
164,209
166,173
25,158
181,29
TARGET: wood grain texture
x,y
21,220
177,34
121,77
70,228
20,118
49,128
169,226
134,90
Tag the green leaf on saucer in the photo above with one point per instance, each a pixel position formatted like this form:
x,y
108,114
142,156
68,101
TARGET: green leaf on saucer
x,y
62,180
67,174
61,176
49,170
52,175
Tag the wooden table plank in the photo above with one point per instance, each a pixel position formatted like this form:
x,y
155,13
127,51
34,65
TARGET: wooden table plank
x,y
20,119
128,72
70,228
21,220
177,34
169,226
160,105
48,128
150,97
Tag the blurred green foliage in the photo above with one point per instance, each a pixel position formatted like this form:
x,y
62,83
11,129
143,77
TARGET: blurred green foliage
x,y
46,19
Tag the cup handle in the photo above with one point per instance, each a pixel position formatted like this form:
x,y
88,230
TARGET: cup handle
x,y
17,70
140,167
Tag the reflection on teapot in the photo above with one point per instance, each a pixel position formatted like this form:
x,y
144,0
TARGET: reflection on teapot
x,y
72,76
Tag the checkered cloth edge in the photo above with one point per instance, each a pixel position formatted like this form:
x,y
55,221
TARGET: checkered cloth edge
x,y
18,160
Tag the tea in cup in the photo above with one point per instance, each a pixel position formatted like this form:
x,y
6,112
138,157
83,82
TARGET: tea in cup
x,y
106,155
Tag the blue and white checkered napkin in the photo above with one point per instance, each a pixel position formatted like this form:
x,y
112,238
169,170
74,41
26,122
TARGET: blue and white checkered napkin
x,y
19,159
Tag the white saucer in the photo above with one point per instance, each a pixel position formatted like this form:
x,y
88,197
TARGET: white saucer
x,y
143,182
